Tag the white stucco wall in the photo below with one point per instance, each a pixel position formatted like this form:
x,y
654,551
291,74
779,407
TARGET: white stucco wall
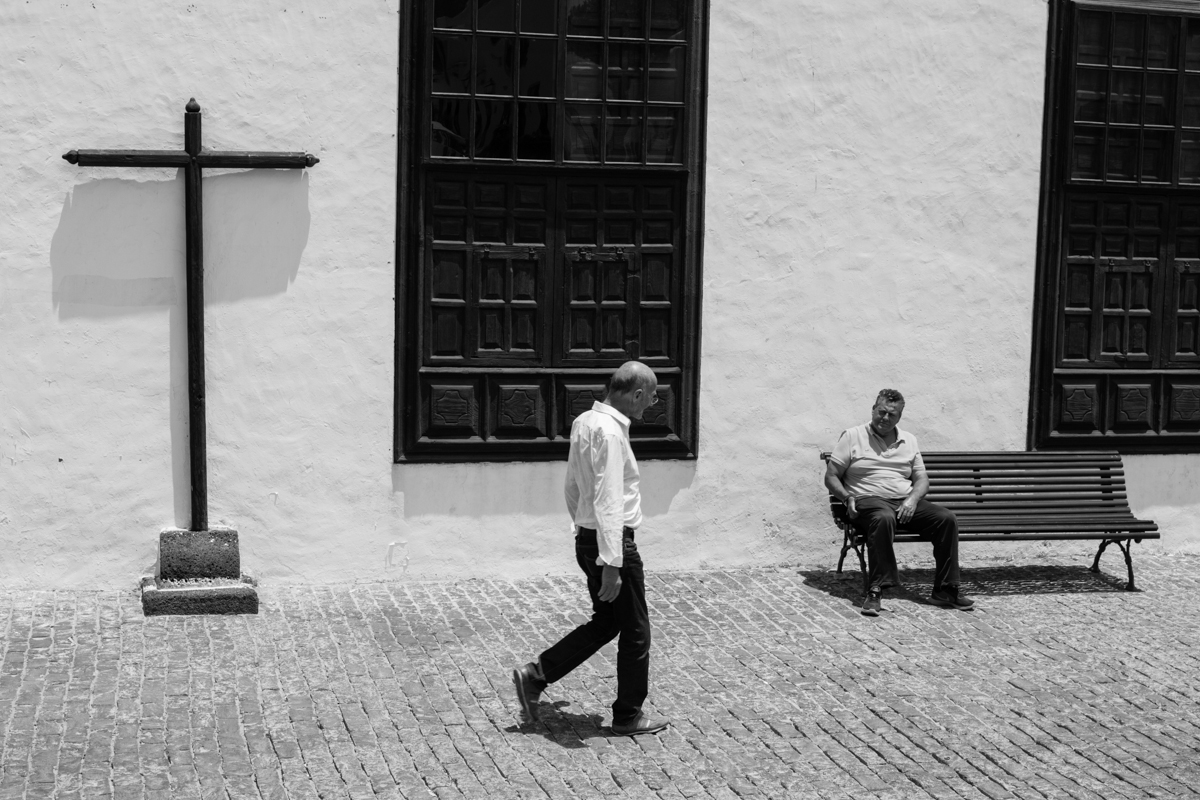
x,y
871,210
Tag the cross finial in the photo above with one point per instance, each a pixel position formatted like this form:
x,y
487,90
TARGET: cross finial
x,y
192,106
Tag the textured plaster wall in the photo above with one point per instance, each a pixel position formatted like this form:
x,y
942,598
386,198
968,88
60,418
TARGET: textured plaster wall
x,y
871,211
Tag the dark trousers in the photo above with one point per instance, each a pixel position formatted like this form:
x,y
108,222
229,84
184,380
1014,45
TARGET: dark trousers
x,y
877,521
626,616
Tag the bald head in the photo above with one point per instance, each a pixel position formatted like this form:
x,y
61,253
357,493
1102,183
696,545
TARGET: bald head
x,y
631,375
632,389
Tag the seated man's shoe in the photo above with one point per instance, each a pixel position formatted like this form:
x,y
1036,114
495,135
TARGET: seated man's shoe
x,y
640,724
529,685
952,597
871,606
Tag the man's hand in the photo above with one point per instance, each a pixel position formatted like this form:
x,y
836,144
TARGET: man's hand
x,y
905,512
851,508
610,584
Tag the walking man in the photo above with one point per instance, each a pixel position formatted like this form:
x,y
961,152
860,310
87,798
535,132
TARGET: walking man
x,y
604,500
876,469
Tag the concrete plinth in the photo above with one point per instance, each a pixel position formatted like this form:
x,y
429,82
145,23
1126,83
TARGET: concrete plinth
x,y
199,572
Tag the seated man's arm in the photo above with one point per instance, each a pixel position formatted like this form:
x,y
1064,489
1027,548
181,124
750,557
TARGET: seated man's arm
x,y
833,482
920,487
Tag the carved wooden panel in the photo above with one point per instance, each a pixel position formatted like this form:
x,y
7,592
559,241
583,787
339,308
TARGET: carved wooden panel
x,y
1184,405
451,408
1134,406
519,408
1079,405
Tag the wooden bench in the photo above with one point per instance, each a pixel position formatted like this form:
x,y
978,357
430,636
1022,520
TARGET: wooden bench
x,y
1012,496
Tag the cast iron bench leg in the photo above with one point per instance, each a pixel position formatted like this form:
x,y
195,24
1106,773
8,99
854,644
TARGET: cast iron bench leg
x,y
1128,563
1124,544
846,545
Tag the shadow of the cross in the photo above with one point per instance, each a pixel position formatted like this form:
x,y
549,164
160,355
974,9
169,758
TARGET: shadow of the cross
x,y
119,245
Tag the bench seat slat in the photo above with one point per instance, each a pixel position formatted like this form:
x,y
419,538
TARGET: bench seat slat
x,y
997,536
990,493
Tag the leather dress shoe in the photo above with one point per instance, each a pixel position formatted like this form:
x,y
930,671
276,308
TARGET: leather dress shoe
x,y
640,724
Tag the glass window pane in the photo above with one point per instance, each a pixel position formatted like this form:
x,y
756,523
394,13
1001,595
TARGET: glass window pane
x,y
664,135
1160,99
539,16
1157,148
494,65
493,129
1122,157
1092,37
537,67
666,73
583,17
1128,39
1189,159
535,131
585,61
627,18
582,141
1087,153
667,19
1192,56
623,135
1126,92
1162,37
450,128
625,71
1191,101
452,14
452,64
497,15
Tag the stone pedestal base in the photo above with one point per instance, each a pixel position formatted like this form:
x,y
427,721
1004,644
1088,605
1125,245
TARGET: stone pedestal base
x,y
199,572
212,596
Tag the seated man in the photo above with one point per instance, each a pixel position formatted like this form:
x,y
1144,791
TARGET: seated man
x,y
877,471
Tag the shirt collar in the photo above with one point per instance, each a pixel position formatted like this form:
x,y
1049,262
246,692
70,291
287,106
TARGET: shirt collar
x,y
605,408
900,435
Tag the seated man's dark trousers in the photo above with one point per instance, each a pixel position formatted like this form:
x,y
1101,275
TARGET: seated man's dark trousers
x,y
627,616
877,521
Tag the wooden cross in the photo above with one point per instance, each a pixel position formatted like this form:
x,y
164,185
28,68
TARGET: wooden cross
x,y
192,159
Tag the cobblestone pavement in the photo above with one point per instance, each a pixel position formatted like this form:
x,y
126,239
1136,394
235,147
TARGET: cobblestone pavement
x,y
1059,685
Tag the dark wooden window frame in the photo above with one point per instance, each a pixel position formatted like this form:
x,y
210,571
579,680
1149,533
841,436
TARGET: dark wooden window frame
x,y
1047,402
683,443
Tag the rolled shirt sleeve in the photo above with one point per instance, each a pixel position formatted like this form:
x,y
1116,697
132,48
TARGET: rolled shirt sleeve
x,y
608,462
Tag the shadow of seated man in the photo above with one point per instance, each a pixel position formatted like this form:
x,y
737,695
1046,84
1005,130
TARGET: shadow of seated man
x,y
877,471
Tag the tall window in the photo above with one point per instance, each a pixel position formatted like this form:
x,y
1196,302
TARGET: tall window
x,y
553,231
1117,353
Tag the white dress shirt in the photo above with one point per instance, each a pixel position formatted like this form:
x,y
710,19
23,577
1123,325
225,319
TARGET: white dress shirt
x,y
602,479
